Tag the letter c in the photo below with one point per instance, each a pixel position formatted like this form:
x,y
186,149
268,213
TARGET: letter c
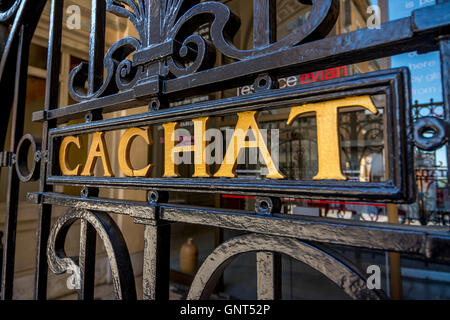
x,y
63,156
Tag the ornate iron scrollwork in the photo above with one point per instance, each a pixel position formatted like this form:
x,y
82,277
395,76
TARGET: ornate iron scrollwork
x,y
113,241
178,47
167,60
120,73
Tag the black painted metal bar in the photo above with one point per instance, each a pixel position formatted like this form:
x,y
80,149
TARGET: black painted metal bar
x,y
87,261
429,242
369,83
8,53
399,186
12,194
95,204
358,191
153,18
51,102
444,50
264,22
444,45
268,267
156,261
6,87
1,257
96,45
161,71
403,35
422,241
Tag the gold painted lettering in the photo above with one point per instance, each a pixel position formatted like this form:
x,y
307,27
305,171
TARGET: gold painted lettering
x,y
125,148
327,132
201,168
98,150
246,121
64,156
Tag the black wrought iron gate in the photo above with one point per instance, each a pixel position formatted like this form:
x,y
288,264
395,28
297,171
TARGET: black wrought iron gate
x,y
171,60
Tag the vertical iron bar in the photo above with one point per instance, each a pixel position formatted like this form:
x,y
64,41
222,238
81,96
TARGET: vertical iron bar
x,y
395,266
87,261
4,32
264,22
347,15
154,17
51,102
154,21
444,46
156,262
153,13
1,257
218,240
268,266
12,193
96,45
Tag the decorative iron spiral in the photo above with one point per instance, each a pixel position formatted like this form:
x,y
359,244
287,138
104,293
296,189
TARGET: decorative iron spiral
x,y
113,241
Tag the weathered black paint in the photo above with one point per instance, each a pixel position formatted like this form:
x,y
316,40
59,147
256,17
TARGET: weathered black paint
x,y
155,75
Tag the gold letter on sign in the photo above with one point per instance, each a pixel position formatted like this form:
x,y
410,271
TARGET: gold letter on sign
x,y
125,148
246,121
327,132
170,168
63,156
98,149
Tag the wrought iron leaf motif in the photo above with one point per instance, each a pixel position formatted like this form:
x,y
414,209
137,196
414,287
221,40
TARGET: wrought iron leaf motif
x,y
136,13
180,50
192,52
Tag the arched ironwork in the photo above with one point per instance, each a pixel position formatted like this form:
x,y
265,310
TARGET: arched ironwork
x,y
82,273
212,268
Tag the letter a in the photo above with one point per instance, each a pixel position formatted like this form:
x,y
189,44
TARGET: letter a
x,y
98,150
246,121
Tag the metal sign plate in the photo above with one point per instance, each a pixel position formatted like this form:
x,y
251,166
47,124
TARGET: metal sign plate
x,y
397,185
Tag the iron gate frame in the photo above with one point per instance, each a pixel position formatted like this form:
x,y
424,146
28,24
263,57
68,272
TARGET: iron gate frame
x,y
154,77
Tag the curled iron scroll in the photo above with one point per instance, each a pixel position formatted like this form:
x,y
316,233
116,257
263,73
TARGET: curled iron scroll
x,y
320,22
8,9
224,25
117,67
189,46
181,49
113,241
120,73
